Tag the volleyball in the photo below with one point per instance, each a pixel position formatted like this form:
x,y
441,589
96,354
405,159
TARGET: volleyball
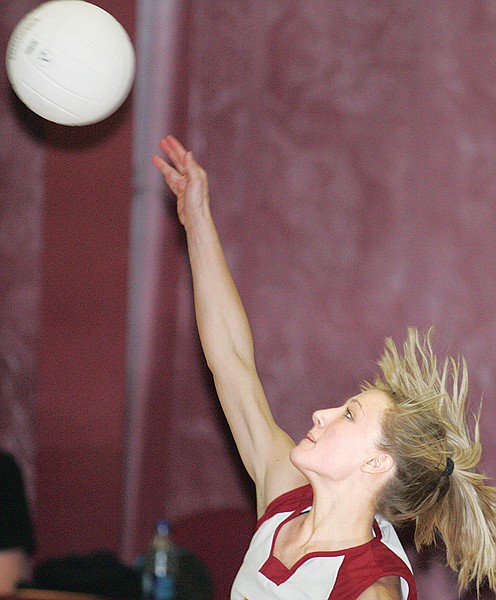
x,y
70,62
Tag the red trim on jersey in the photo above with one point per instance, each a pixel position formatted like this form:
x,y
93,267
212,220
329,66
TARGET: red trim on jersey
x,y
377,561
362,566
299,498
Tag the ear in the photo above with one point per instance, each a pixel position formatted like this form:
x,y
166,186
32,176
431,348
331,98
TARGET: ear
x,y
382,462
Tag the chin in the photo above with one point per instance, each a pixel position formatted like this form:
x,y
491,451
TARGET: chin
x,y
295,457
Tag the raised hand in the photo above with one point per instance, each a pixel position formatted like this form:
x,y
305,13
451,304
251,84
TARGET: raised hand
x,y
185,178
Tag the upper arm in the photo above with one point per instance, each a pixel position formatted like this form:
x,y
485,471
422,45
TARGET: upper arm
x,y
386,588
263,446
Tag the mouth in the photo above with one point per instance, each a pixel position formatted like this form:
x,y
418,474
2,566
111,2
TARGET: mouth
x,y
310,437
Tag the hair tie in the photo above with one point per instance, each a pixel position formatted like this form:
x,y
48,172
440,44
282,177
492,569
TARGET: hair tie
x,y
450,465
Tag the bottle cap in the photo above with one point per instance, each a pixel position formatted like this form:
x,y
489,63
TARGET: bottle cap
x,y
163,526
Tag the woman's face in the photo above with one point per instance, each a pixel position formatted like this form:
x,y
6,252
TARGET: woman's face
x,y
342,439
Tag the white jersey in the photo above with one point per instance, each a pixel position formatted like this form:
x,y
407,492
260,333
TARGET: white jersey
x,y
340,575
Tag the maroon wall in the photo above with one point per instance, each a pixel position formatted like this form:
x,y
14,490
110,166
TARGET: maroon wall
x,y
21,200
80,423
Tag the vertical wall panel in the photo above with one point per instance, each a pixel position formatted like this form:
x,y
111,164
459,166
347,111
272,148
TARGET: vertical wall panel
x,y
81,408
21,201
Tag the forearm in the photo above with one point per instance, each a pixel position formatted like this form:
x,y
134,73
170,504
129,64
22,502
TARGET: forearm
x,y
222,323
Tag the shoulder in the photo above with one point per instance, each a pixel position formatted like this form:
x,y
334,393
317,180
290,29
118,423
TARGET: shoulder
x,y
16,529
386,588
297,499
11,474
378,572
8,463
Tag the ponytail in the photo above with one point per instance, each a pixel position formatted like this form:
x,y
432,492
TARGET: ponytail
x,y
466,522
436,483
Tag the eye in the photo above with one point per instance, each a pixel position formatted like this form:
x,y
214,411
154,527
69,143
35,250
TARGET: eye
x,y
348,414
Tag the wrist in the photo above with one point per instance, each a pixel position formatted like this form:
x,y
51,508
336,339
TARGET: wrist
x,y
199,215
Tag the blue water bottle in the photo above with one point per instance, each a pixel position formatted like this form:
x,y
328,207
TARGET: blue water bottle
x,y
158,582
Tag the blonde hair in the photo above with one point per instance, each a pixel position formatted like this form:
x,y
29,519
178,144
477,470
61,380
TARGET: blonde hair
x,y
425,427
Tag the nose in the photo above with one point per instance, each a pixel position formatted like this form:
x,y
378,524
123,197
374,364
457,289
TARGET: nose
x,y
320,417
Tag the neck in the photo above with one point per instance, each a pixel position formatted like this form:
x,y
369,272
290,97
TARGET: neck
x,y
338,518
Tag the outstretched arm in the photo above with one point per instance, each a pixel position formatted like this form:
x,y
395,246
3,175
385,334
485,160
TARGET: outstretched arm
x,y
225,333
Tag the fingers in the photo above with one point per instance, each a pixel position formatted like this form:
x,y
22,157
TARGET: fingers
x,y
161,165
172,176
164,167
175,151
184,169
181,158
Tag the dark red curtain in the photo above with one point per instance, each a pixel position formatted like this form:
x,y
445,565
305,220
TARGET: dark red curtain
x,y
64,225
21,201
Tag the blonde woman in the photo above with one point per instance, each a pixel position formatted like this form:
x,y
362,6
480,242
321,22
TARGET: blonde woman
x,y
398,451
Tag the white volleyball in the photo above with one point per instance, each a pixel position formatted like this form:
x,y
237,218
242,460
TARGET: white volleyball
x,y
71,62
